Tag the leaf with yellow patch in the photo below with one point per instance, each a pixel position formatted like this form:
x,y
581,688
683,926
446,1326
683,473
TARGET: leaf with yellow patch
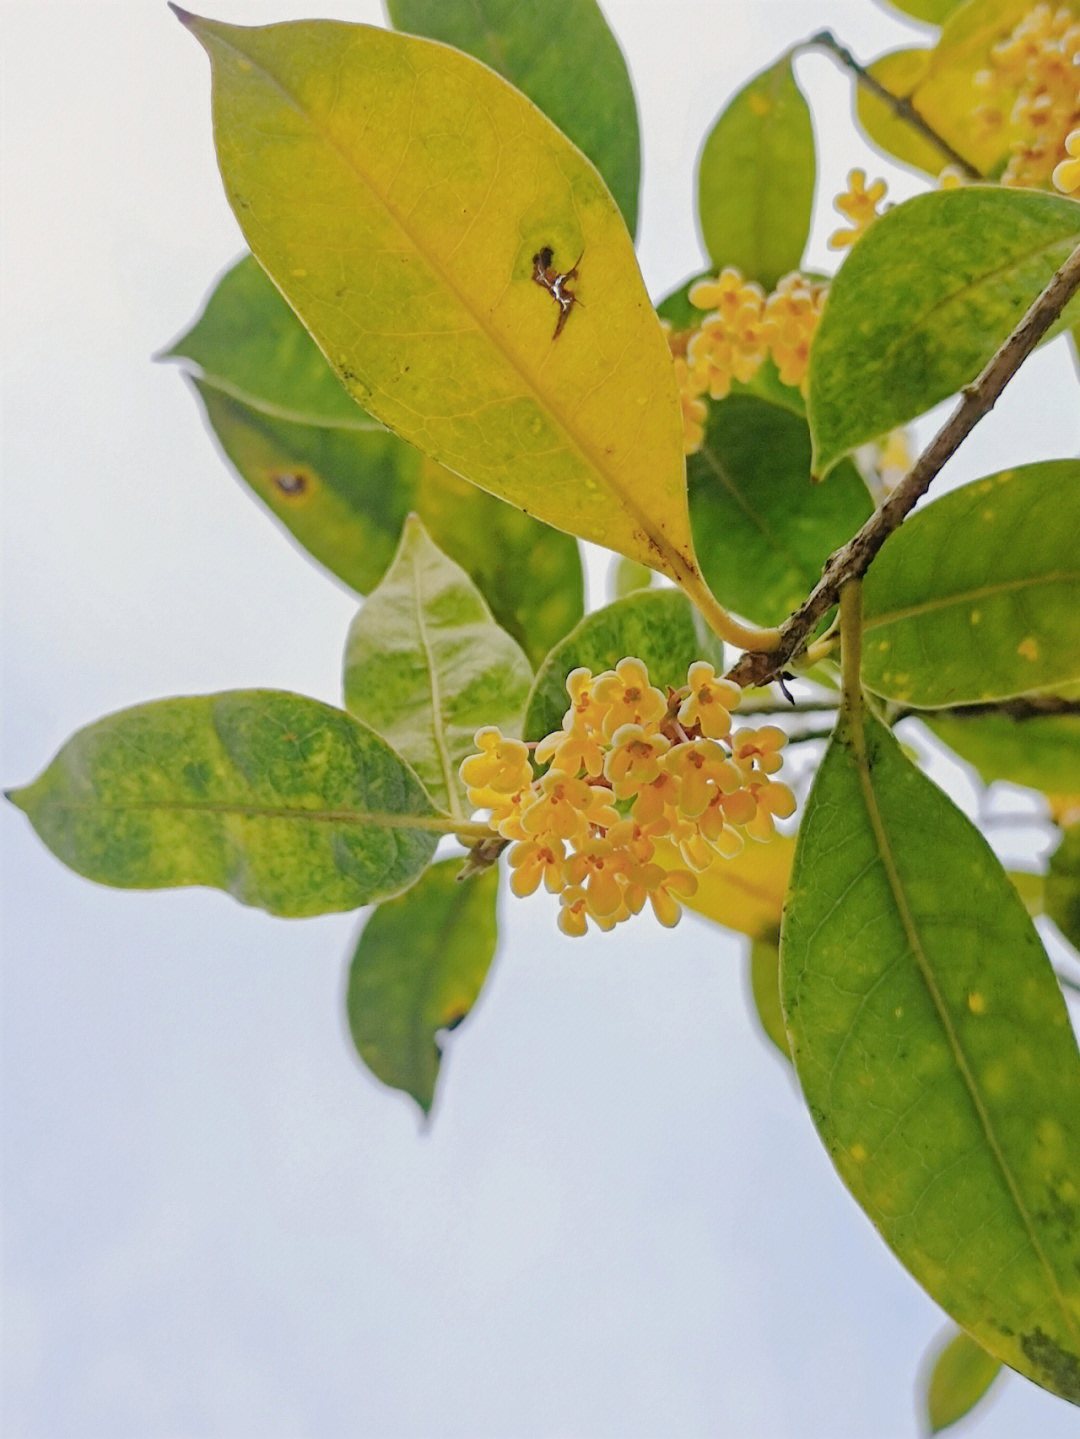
x,y
745,893
403,197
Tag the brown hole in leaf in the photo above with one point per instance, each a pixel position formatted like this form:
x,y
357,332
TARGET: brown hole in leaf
x,y
291,483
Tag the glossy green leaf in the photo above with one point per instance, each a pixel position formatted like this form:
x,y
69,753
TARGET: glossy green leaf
x,y
660,627
342,484
756,179
977,596
1042,752
923,301
762,530
426,666
935,1051
764,970
417,969
400,195
961,1373
287,804
1061,890
563,55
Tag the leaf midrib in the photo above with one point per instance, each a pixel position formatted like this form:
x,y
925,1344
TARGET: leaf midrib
x,y
430,820
964,597
856,724
673,556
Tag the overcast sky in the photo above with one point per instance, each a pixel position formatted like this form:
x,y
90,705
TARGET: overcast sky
x,y
621,1222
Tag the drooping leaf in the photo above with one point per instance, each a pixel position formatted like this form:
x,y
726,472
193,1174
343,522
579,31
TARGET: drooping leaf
x,y
977,596
755,179
563,55
744,893
660,627
960,1375
426,666
342,484
935,1051
417,969
1061,889
286,803
923,301
761,528
1042,752
401,196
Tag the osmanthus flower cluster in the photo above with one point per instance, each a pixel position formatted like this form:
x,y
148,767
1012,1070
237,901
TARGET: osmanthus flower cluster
x,y
630,767
1033,85
740,328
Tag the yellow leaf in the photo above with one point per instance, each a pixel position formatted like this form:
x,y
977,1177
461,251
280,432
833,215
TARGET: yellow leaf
x,y
745,893
398,193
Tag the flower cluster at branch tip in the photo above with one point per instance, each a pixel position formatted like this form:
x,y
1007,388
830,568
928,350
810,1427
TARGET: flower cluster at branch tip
x,y
741,327
1033,88
632,767
859,206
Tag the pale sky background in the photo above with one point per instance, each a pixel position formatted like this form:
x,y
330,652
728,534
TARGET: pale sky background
x,y
621,1223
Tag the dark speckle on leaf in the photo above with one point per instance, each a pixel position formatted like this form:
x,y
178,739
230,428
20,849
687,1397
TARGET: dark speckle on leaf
x,y
290,482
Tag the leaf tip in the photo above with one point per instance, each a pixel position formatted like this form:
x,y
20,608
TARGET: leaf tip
x,y
14,796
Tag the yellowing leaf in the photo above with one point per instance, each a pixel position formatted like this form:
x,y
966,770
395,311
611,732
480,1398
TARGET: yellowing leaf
x,y
399,193
745,893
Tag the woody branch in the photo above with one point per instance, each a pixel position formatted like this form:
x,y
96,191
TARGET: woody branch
x,y
854,559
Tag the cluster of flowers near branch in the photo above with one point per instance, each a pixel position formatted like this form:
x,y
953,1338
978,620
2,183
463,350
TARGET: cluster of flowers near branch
x,y
1036,68
741,327
631,767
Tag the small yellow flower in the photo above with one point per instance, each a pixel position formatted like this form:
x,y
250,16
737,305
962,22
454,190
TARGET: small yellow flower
x,y
502,764
709,704
859,205
534,860
1066,175
627,697
758,749
633,760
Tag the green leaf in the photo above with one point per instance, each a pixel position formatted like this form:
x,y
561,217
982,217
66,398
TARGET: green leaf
x,y
933,12
761,529
660,627
1061,891
342,493
564,57
1042,752
949,96
342,484
418,967
961,1374
529,574
935,1051
400,195
756,179
900,72
628,577
765,992
976,596
923,301
426,666
287,804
